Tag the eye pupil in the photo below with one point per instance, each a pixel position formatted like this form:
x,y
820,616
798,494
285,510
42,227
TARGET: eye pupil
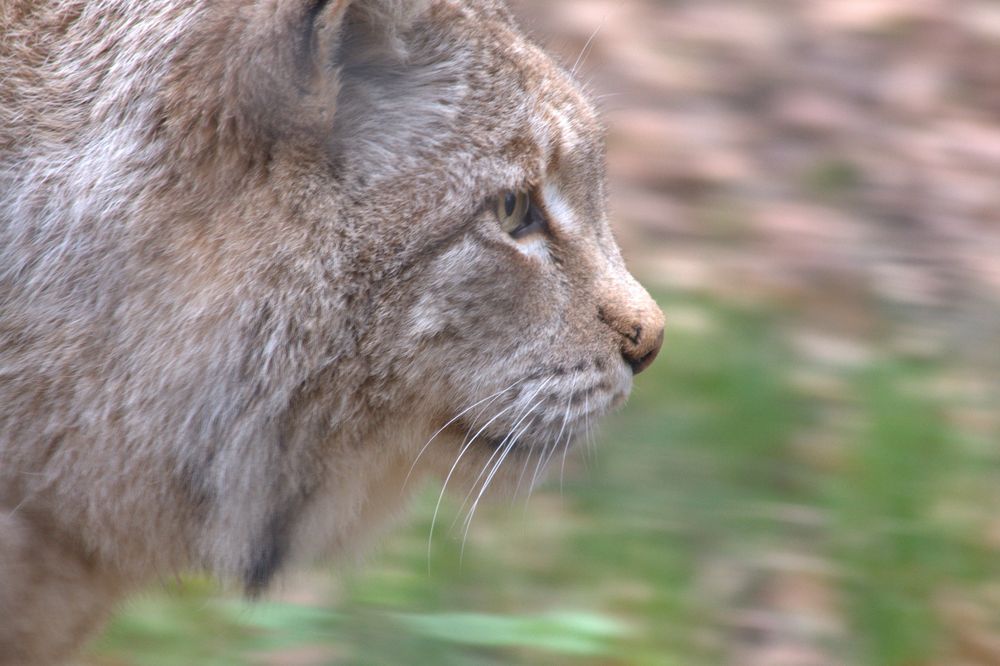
x,y
510,203
516,215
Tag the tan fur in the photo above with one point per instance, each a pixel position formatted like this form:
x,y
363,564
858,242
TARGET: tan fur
x,y
248,267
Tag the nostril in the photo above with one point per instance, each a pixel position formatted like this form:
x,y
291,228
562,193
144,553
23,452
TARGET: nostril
x,y
640,333
640,359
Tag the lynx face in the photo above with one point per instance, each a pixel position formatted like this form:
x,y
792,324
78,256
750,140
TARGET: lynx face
x,y
520,324
261,260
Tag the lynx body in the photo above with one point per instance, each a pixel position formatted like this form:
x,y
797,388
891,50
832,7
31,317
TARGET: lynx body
x,y
250,262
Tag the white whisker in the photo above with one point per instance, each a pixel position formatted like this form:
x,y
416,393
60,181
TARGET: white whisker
x,y
545,463
462,413
506,450
444,486
520,477
486,465
500,446
569,406
562,465
540,464
586,47
18,507
598,98
454,466
486,484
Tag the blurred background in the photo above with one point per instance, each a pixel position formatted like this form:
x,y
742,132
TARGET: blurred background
x,y
810,473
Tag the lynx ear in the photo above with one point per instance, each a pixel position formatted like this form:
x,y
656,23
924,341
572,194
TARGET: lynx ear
x,y
249,74
363,27
308,39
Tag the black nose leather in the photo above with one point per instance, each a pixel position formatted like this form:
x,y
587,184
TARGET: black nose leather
x,y
642,353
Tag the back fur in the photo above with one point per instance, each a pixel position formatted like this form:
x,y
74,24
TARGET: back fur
x,y
246,271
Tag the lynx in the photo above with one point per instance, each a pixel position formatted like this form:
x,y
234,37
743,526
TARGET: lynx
x,y
264,264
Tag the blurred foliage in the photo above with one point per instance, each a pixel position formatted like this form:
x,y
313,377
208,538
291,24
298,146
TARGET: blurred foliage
x,y
707,502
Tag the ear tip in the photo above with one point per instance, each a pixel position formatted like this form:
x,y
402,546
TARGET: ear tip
x,y
392,14
327,12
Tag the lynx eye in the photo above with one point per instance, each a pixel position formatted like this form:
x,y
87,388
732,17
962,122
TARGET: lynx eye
x,y
517,216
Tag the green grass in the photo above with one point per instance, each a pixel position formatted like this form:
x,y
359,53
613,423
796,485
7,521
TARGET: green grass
x,y
691,486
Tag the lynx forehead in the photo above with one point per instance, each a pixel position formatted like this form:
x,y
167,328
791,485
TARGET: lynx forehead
x,y
264,264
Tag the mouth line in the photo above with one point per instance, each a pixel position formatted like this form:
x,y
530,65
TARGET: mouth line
x,y
528,446
559,436
495,443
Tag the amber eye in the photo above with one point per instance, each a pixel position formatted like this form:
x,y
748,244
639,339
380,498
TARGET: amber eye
x,y
512,210
518,215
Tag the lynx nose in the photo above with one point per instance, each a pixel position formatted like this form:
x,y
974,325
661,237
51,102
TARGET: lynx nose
x,y
638,321
641,339
642,354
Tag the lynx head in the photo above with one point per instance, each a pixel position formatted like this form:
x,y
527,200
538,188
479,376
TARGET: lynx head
x,y
475,165
443,189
